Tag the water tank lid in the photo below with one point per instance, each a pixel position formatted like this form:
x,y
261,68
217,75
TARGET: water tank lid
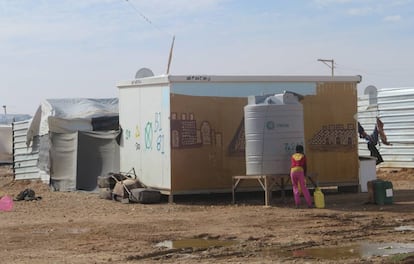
x,y
283,98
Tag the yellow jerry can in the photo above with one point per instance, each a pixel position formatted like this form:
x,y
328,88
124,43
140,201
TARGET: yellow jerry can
x,y
319,198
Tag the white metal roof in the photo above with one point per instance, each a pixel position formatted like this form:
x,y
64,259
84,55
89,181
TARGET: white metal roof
x,y
164,79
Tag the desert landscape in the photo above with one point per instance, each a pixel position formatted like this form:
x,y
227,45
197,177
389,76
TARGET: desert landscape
x,y
79,227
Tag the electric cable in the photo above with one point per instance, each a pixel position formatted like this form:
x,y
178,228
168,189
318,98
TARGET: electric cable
x,y
147,19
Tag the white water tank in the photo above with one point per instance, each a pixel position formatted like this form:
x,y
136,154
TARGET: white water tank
x,y
272,130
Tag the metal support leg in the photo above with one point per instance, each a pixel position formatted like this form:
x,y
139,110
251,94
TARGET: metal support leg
x,y
235,183
232,192
266,189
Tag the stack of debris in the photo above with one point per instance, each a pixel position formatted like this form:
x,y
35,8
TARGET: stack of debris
x,y
126,188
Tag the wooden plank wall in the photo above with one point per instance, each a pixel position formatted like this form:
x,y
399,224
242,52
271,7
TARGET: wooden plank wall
x,y
330,138
331,134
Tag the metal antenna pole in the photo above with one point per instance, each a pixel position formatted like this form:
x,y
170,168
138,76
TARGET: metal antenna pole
x,y
326,63
170,57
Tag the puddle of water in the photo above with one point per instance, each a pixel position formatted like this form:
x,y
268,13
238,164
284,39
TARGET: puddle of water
x,y
327,253
42,231
77,230
194,243
404,228
385,249
68,231
361,250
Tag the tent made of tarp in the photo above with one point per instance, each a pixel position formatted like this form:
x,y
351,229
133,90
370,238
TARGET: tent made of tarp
x,y
78,158
77,141
68,115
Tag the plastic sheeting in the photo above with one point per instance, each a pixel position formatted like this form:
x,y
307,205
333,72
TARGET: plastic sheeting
x,y
63,152
105,123
77,159
69,115
71,155
98,154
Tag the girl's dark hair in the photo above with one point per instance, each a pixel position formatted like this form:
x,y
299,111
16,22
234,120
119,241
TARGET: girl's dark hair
x,y
299,148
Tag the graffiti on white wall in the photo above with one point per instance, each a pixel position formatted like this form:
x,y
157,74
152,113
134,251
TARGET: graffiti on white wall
x,y
186,132
154,134
133,135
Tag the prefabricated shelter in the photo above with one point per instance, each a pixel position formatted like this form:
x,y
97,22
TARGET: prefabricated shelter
x,y
185,133
6,135
395,108
69,143
6,144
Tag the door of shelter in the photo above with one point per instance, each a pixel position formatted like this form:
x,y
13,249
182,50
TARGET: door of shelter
x,y
77,159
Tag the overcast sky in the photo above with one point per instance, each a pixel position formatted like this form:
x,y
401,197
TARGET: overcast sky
x,y
73,48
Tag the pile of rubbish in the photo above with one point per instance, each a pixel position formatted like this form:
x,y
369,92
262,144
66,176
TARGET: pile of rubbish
x,y
7,202
126,188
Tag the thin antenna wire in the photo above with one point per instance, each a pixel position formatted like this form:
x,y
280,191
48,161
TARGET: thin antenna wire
x,y
147,19
150,22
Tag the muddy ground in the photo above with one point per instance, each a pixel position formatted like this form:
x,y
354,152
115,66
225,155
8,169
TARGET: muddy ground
x,y
79,227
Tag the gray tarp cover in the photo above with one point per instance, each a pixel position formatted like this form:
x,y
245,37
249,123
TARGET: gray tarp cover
x,y
68,115
77,159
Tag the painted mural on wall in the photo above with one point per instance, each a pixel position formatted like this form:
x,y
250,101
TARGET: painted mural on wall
x,y
335,137
237,145
186,133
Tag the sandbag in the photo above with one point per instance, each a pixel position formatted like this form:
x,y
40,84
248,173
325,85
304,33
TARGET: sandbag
x,y
122,188
119,190
145,195
105,193
106,182
109,180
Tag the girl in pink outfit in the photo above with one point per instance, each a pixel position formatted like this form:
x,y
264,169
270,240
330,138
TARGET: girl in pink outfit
x,y
297,175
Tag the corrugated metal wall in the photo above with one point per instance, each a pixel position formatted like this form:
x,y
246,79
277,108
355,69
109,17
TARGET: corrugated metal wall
x,y
24,158
395,107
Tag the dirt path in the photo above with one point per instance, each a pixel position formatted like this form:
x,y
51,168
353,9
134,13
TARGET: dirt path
x,y
79,227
